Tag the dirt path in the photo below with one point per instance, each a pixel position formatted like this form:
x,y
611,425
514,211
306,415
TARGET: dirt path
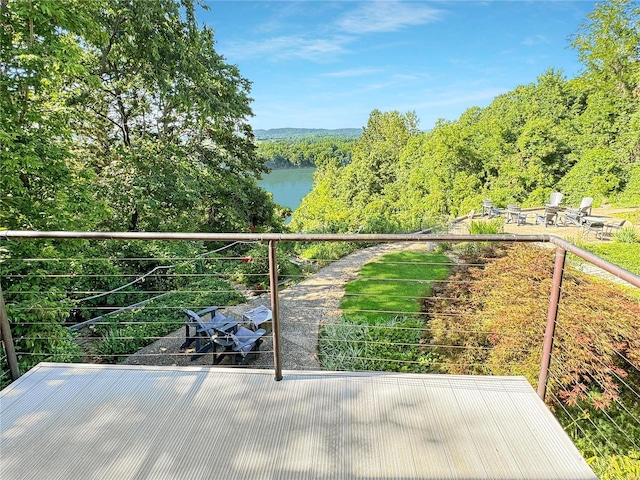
x,y
303,308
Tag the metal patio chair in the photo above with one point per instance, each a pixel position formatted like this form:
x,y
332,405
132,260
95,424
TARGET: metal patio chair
x,y
611,227
593,224
206,324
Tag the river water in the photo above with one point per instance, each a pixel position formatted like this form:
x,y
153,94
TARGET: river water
x,y
288,185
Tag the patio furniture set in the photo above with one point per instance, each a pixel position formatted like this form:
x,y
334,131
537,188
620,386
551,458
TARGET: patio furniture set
x,y
225,336
577,217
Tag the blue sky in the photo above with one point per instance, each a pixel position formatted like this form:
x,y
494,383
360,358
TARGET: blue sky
x,y
328,64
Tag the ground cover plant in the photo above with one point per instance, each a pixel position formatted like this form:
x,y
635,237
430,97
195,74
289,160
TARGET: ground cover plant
x,y
381,327
494,313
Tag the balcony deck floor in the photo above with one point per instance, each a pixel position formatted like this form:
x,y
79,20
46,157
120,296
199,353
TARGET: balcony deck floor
x,y
120,422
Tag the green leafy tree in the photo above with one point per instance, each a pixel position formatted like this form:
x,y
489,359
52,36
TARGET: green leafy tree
x,y
41,185
114,115
163,120
607,44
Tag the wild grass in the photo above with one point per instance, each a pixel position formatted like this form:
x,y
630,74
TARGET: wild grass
x,y
487,227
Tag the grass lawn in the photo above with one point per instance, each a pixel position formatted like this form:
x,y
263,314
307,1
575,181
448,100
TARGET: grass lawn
x,y
380,329
626,255
393,285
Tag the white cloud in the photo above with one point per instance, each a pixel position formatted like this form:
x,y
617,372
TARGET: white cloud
x,y
535,40
387,16
287,47
355,72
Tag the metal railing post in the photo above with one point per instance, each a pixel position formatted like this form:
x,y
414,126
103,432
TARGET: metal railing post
x,y
552,316
273,283
7,340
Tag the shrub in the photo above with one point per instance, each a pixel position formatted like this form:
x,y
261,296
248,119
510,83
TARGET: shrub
x,y
502,308
487,227
494,319
616,467
387,344
325,252
626,235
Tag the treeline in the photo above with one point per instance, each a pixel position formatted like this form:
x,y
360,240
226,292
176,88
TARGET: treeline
x,y
301,134
306,152
580,136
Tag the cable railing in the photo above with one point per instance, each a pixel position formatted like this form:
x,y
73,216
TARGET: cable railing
x,y
420,315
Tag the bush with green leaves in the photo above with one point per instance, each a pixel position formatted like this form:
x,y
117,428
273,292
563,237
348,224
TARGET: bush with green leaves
x,y
325,252
626,235
487,227
389,344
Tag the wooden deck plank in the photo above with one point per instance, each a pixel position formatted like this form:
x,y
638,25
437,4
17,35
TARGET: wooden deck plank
x,y
116,422
496,454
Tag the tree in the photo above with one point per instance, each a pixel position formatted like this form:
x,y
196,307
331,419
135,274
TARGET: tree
x,y
163,119
377,152
40,183
608,44
114,114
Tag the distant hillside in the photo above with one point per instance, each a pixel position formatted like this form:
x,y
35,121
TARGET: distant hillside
x,y
293,133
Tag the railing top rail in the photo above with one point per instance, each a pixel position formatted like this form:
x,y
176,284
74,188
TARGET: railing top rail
x,y
322,237
281,237
619,272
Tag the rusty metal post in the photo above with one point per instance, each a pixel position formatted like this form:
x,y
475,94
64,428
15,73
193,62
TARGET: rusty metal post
x,y
7,340
552,316
273,282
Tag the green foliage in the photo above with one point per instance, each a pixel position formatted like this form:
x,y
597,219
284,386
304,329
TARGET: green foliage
x,y
593,429
486,227
346,197
389,345
621,253
304,134
322,252
630,196
595,175
114,115
121,116
579,136
306,152
607,44
626,235
616,467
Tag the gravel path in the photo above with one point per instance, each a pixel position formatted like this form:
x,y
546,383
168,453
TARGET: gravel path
x,y
303,308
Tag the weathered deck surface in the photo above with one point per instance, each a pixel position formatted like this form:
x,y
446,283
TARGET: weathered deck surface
x,y
120,422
